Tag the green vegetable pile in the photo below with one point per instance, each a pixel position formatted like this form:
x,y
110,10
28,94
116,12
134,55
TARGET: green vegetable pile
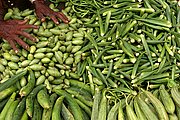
x,y
116,59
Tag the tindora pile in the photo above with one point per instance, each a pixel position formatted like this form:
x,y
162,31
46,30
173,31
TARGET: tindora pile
x,y
114,60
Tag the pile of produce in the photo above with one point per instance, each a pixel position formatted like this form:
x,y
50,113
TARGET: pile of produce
x,y
116,59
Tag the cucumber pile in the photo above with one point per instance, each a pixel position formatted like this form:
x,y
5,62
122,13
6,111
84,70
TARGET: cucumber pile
x,y
114,60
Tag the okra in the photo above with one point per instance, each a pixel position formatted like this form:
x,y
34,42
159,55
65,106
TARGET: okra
x,y
173,117
160,22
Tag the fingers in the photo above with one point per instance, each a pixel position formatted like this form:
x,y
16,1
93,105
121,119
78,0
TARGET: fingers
x,y
15,22
12,40
59,15
29,26
22,43
54,19
41,16
62,17
12,44
26,35
22,22
43,19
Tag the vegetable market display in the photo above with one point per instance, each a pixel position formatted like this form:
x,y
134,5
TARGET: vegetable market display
x,y
117,59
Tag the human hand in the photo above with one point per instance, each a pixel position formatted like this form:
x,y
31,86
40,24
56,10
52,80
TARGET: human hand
x,y
43,10
11,29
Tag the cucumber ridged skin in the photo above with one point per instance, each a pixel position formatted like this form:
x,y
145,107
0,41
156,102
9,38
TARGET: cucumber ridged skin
x,y
25,116
166,100
103,107
12,80
85,115
84,107
80,85
120,111
112,115
82,98
19,111
175,95
146,109
130,113
66,114
3,103
81,91
173,117
47,113
11,110
29,87
57,108
95,107
162,114
7,106
138,111
30,99
76,110
178,112
5,93
43,99
37,113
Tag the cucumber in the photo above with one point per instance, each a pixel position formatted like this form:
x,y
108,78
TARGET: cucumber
x,y
175,95
19,111
57,108
166,100
130,113
43,99
138,111
146,109
162,114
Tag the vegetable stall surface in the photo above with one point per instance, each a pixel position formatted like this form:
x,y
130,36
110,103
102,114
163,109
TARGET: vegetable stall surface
x,y
114,60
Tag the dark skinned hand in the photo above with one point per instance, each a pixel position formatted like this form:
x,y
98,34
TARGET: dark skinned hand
x,y
43,10
11,29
